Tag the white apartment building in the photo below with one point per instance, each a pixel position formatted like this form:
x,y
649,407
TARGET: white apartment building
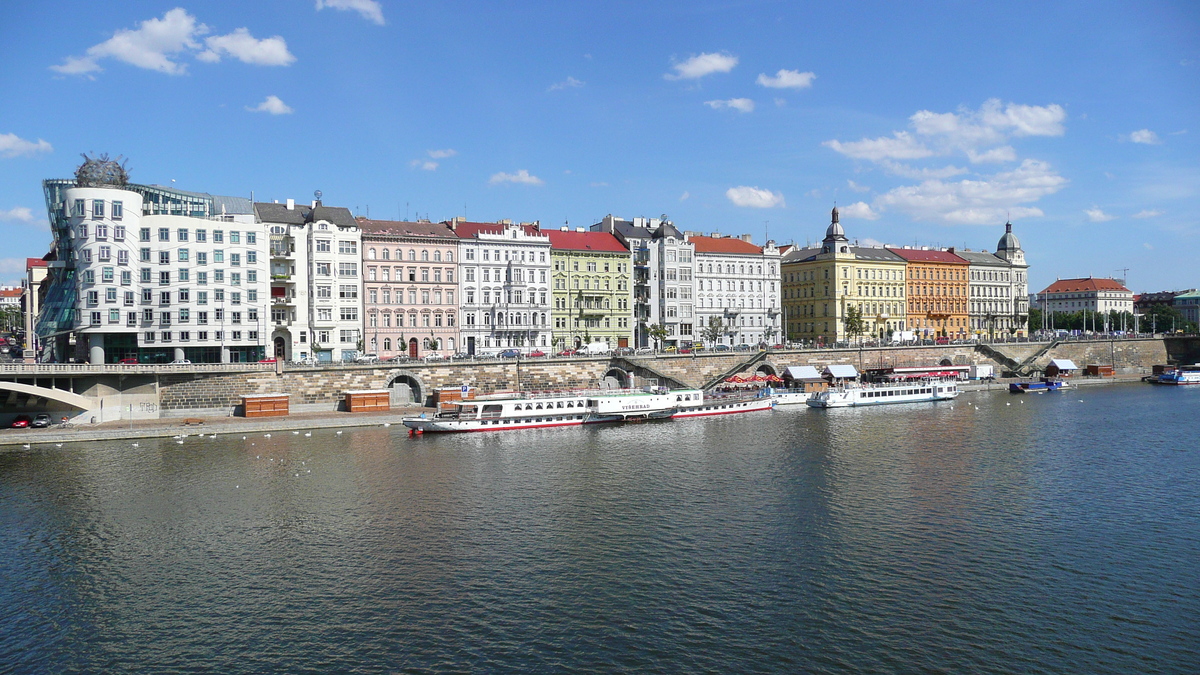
x,y
737,285
998,288
151,273
664,288
504,269
316,282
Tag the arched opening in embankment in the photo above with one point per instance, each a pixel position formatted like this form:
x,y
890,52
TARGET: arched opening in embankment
x,y
406,389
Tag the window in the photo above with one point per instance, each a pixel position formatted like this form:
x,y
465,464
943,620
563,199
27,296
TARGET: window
x,y
201,235
218,276
181,234
251,238
252,296
251,276
218,256
202,278
347,291
235,297
218,236
107,275
144,234
235,259
118,212
164,278
97,208
348,247
110,295
235,237
164,234
251,257
122,257
324,314
235,278
349,314
126,278
323,246
145,275
184,295
323,269
164,257
183,274
347,269
324,292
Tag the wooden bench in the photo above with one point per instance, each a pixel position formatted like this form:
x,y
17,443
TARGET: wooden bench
x,y
190,421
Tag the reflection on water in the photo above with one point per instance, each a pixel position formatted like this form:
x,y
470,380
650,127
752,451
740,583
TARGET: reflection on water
x,y
997,533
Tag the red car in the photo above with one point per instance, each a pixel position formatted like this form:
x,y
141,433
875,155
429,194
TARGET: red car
x,y
566,352
21,422
536,354
129,361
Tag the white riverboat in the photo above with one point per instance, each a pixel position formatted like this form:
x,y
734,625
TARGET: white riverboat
x,y
789,396
878,394
503,412
727,405
1185,375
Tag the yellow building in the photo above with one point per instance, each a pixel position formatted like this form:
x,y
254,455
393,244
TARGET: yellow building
x,y
592,286
820,284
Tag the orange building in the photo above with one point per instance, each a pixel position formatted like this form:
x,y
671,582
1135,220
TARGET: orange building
x,y
937,292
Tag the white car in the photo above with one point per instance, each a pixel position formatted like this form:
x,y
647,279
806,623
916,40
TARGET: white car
x,y
367,358
181,362
434,356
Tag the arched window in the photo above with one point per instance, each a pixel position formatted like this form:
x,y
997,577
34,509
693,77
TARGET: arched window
x,y
387,255
412,255
387,344
437,256
425,256
449,256
370,254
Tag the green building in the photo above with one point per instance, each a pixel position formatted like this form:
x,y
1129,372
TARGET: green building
x,y
592,289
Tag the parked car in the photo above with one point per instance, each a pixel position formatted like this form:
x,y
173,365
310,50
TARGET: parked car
x,y
434,356
742,347
181,362
271,360
509,354
722,348
943,341
643,350
566,352
21,422
129,361
623,351
777,347
40,421
537,354
367,358
461,356
670,349
685,350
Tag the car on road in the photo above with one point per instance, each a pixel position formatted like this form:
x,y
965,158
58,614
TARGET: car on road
x,y
685,350
509,354
670,349
367,358
267,361
777,347
566,352
434,356
643,350
943,341
722,348
21,422
129,361
742,348
460,356
537,354
40,421
181,362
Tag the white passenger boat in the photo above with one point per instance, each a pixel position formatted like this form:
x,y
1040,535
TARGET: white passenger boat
x,y
728,405
1186,375
878,394
503,412
788,396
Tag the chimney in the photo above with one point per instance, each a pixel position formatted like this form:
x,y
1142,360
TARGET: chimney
x,y
291,205
564,228
951,249
747,238
579,229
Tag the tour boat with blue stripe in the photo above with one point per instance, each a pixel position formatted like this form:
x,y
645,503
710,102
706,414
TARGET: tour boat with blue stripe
x,y
852,395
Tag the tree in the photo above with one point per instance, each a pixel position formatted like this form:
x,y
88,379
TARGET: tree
x,y
658,333
714,330
853,322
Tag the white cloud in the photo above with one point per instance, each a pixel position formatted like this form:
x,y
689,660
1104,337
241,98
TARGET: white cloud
x,y
272,105
152,45
901,145
12,270
1148,246
977,202
787,79
754,197
370,10
569,83
442,154
12,145
241,45
1097,215
598,184
424,164
867,241
856,187
1004,153
1145,136
740,104
704,64
20,213
858,210
1148,213
1024,120
684,197
521,177
923,173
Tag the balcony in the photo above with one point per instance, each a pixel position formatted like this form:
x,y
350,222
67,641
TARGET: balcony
x,y
280,300
731,311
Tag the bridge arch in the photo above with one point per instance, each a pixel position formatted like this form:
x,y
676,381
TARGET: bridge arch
x,y
71,399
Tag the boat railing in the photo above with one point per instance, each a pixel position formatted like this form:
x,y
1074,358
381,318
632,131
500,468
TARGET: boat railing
x,y
557,393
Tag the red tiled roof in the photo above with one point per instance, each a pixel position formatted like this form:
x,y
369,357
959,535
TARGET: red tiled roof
x,y
11,293
471,230
917,255
723,245
584,241
405,228
1084,286
34,262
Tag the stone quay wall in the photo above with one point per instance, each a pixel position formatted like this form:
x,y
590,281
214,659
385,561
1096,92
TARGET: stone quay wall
x,y
326,387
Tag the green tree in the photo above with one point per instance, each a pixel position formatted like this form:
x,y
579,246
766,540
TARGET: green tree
x,y
853,322
714,330
1035,319
658,333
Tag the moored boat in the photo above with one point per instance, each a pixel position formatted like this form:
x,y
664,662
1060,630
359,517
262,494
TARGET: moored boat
x,y
724,405
1044,384
879,394
1189,375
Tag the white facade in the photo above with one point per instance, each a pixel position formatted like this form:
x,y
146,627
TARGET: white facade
x,y
165,282
505,287
739,289
316,281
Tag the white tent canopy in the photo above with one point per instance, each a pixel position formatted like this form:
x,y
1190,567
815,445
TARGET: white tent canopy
x,y
802,373
1064,364
842,371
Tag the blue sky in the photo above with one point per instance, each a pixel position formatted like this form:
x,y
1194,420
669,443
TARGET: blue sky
x,y
927,123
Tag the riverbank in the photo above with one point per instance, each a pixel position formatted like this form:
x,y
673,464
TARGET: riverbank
x,y
11,439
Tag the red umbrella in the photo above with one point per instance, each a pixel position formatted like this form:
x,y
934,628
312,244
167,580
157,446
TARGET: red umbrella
x,y
736,379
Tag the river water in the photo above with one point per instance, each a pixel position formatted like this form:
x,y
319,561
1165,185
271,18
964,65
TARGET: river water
x,y
999,534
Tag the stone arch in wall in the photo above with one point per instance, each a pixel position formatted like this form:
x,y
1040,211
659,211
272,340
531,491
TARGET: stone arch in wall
x,y
406,389
615,378
765,369
945,362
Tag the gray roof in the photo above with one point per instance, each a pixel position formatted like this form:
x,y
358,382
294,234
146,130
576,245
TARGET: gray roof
x,y
1008,241
667,229
844,371
302,214
799,254
802,372
402,228
981,258
860,252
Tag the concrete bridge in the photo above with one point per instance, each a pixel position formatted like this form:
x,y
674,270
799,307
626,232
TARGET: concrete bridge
x,y
88,393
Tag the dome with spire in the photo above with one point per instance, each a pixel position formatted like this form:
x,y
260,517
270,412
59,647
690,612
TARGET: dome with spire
x,y
1009,241
835,231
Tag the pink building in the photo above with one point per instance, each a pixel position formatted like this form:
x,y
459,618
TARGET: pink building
x,y
410,284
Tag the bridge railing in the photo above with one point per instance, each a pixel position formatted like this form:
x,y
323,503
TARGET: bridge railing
x,y
64,369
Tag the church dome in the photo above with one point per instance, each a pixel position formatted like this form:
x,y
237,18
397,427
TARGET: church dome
x,y
835,231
